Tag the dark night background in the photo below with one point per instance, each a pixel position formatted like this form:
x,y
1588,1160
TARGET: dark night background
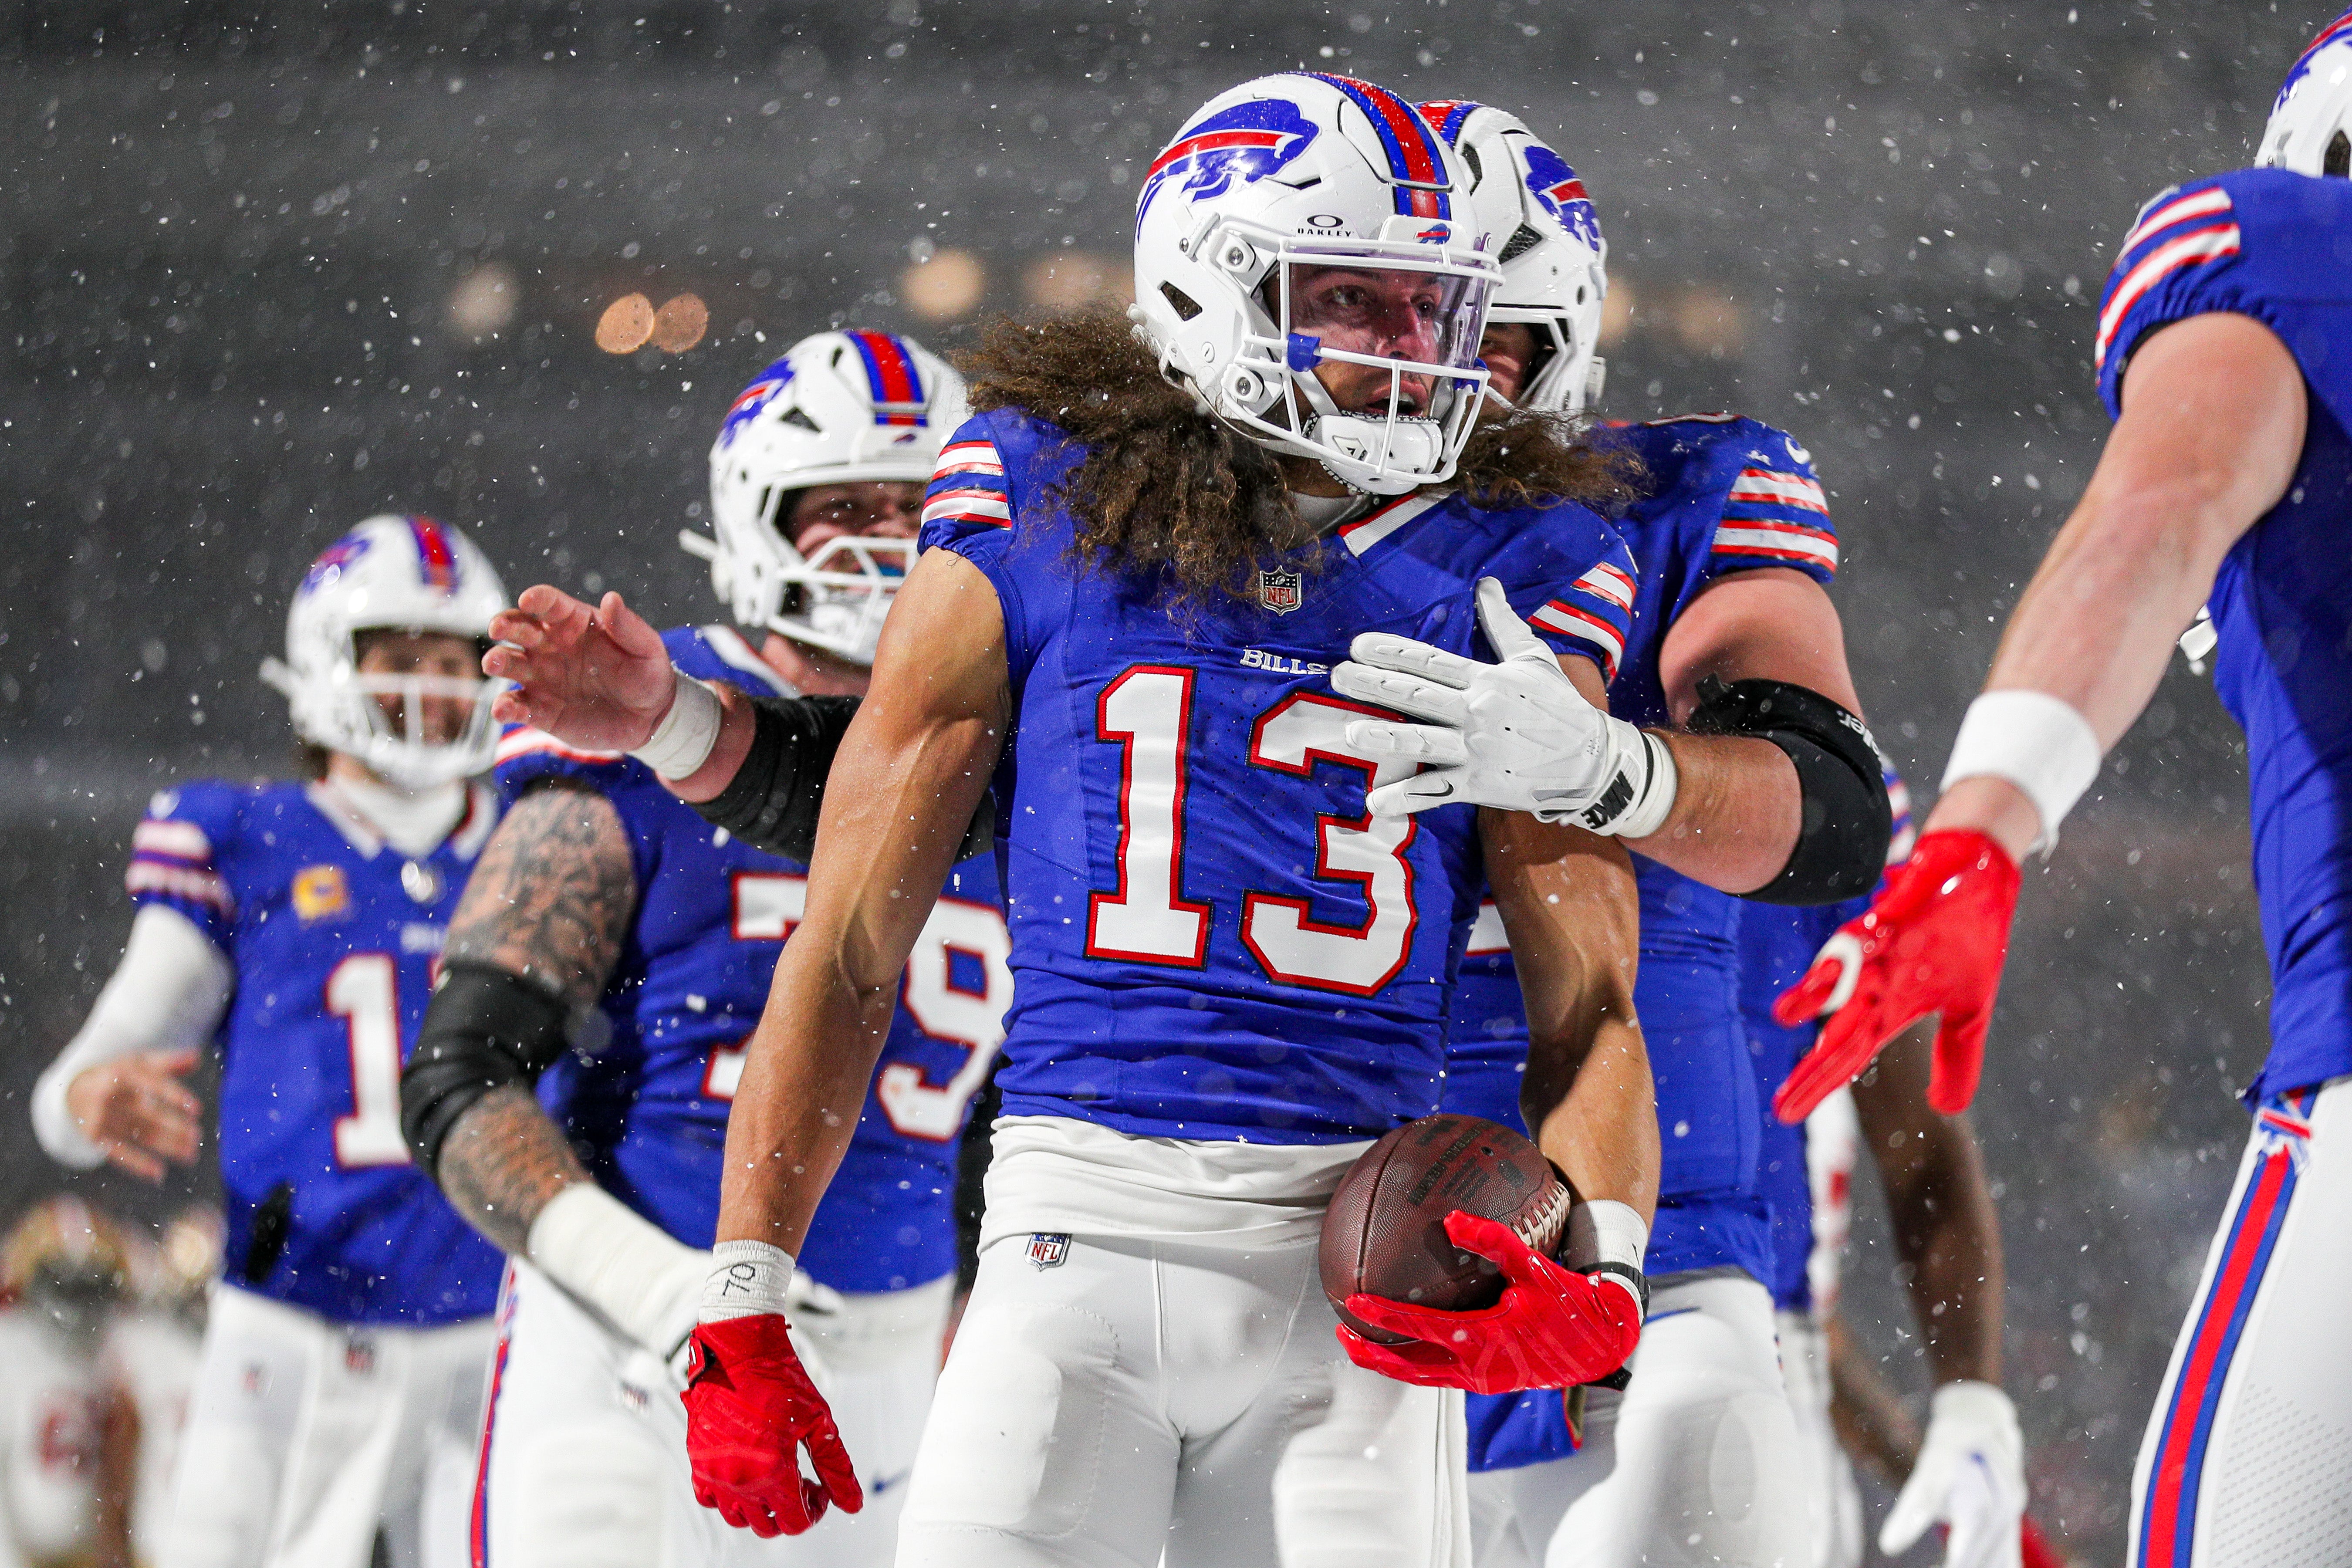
x,y
267,269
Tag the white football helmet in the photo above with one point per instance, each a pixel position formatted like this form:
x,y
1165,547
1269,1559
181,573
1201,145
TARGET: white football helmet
x,y
401,574
839,408
2310,130
1306,170
1554,259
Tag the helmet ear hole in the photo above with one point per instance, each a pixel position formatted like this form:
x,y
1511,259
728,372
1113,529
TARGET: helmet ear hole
x,y
1185,305
1523,239
2339,155
796,418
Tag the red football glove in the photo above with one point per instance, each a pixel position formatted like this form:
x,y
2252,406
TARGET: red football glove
x,y
1554,1328
1932,942
2036,1551
749,1409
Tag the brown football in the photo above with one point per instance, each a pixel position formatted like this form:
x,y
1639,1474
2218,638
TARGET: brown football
x,y
1384,1233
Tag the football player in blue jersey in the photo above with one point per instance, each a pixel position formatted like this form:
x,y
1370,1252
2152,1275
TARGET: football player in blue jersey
x,y
294,926
1232,976
1734,549
2224,351
602,891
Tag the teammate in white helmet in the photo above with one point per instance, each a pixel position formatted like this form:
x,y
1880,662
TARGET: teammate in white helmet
x,y
603,894
1135,585
1734,551
293,927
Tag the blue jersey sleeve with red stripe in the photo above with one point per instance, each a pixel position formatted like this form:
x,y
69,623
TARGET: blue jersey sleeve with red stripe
x,y
177,853
2184,255
1774,510
1591,615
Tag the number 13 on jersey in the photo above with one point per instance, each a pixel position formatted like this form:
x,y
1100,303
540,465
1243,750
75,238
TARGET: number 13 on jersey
x,y
1147,710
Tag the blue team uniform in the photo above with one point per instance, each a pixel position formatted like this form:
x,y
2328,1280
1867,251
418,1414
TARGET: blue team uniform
x,y
1727,494
2269,242
332,937
649,1105
1211,939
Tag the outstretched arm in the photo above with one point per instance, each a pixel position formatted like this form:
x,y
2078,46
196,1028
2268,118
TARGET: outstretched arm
x,y
114,1092
913,769
549,903
2211,432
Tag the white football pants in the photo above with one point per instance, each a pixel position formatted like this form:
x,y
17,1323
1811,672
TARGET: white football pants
x,y
1126,1398
1693,1464
304,1436
584,1463
2248,1458
1832,1499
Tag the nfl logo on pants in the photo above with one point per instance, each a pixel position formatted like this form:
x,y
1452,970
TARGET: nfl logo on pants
x,y
1278,591
1047,1250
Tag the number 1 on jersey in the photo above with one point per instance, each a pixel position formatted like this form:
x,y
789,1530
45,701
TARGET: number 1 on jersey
x,y
364,990
1147,710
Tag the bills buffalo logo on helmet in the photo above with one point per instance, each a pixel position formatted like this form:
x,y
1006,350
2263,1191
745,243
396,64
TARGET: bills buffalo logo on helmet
x,y
1248,141
333,559
754,398
1555,185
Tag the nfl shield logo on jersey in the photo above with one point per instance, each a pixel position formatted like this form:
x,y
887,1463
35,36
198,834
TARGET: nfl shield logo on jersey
x,y
1278,591
1047,1250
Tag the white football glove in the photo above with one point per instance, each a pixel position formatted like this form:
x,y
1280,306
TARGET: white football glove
x,y
1971,1476
1517,735
634,1274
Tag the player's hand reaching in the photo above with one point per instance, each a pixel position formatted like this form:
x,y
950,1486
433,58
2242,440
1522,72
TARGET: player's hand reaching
x,y
1554,1328
1515,735
1971,1476
750,1408
599,680
137,1109
1932,941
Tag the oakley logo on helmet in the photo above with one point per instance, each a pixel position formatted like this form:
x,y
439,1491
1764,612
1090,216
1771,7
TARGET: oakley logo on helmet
x,y
1248,141
1558,192
754,398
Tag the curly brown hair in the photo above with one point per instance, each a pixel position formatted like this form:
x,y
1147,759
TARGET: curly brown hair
x,y
1164,488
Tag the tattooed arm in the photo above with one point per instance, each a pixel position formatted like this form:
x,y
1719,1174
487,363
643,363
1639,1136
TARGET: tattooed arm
x,y
549,901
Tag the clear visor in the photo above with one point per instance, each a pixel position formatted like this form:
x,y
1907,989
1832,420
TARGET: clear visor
x,y
1373,365
1415,330
843,592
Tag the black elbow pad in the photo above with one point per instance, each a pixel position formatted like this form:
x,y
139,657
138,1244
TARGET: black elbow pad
x,y
484,1027
775,797
1847,819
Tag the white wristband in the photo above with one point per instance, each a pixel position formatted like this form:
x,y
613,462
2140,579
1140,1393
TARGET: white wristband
x,y
681,743
1649,812
2039,742
749,1279
616,1260
1605,1231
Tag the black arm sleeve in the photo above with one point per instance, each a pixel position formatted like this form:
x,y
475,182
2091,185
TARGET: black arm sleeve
x,y
1843,836
484,1027
774,798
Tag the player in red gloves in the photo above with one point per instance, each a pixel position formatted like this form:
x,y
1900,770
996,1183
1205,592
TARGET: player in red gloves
x,y
1931,942
1554,1328
747,1395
